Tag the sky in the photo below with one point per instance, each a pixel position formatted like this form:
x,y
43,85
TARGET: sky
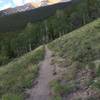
x,y
12,3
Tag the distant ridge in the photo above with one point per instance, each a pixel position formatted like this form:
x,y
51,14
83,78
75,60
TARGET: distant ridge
x,y
30,6
26,7
18,21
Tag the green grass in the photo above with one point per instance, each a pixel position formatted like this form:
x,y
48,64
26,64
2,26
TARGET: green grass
x,y
81,46
61,89
19,74
12,97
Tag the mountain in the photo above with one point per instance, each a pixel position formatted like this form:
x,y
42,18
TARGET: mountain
x,y
26,7
6,11
12,21
51,2
29,6
57,1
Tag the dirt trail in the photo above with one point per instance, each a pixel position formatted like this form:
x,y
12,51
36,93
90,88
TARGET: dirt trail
x,y
41,91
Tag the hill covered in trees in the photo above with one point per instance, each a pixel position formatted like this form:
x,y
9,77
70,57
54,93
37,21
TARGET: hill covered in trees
x,y
18,21
15,43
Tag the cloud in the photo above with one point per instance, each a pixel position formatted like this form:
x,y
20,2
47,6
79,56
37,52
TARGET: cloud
x,y
21,2
1,1
6,6
27,1
18,2
13,3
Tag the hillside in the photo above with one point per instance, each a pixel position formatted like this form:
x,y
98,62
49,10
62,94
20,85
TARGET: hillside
x,y
19,20
51,52
77,64
72,62
19,33
19,74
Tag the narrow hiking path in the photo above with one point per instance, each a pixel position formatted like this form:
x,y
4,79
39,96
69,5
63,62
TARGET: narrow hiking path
x,y
41,91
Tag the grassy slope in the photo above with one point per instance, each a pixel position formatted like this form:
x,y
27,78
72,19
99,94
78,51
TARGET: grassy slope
x,y
19,74
80,54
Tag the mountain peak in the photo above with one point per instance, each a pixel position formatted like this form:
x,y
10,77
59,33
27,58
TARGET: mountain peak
x,y
35,5
30,6
22,8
